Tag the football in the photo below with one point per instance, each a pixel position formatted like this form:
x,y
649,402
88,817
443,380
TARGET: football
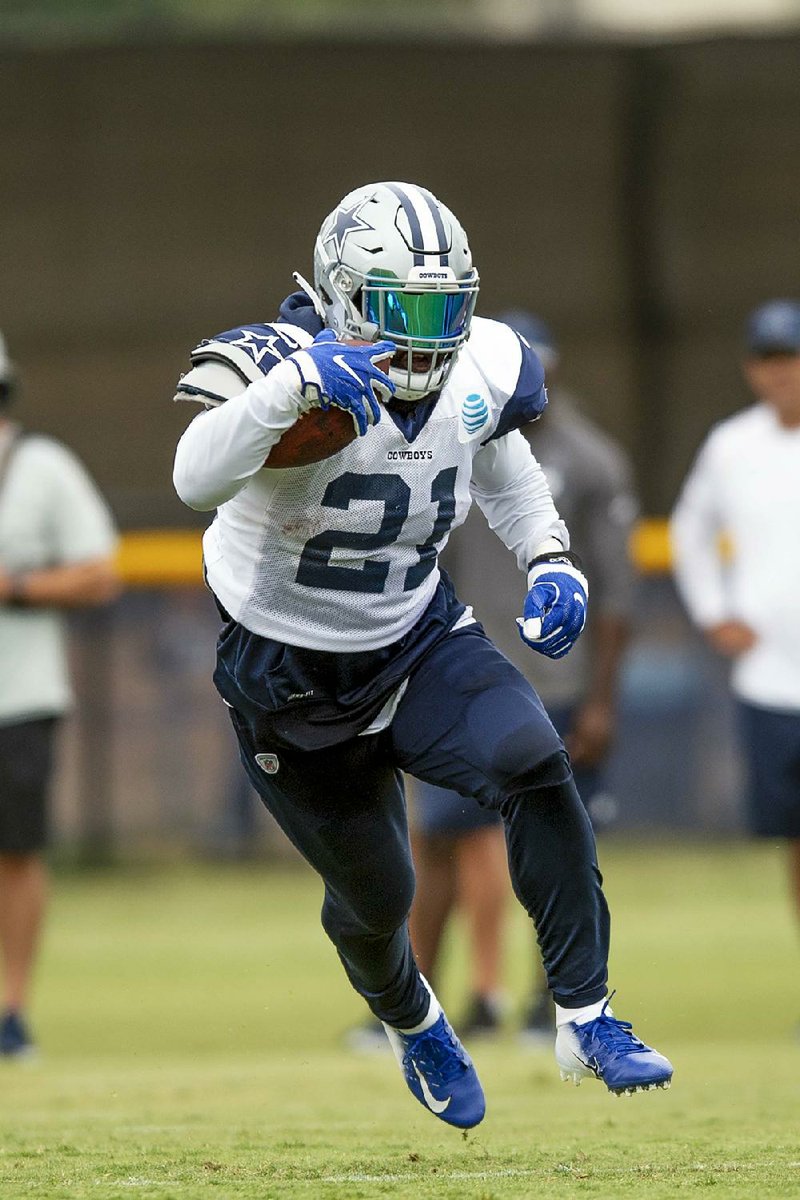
x,y
318,434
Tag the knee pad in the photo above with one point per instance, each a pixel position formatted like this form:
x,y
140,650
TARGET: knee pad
x,y
550,772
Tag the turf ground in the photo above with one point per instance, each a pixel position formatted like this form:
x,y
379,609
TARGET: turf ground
x,y
190,1021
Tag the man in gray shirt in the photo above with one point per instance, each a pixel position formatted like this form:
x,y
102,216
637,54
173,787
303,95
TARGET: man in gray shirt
x,y
57,540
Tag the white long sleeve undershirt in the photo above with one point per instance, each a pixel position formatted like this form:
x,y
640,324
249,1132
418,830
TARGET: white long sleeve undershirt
x,y
224,447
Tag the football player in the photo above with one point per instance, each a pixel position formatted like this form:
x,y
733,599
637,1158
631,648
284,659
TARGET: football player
x,y
345,656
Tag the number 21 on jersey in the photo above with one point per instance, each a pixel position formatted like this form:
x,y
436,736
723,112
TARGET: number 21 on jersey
x,y
317,571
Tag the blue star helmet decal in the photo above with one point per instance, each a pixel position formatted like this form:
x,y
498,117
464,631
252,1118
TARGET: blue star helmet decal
x,y
346,220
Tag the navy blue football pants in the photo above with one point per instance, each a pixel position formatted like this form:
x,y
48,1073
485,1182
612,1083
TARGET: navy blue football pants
x,y
470,721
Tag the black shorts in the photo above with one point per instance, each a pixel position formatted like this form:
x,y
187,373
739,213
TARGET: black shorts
x,y
772,750
26,767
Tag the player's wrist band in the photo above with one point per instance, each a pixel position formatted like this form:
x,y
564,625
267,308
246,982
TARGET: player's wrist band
x,y
557,556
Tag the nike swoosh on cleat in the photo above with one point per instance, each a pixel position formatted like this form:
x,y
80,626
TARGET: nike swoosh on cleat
x,y
592,1065
436,1106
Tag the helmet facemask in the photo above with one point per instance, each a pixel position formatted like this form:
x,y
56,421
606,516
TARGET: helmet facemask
x,y
375,283
426,318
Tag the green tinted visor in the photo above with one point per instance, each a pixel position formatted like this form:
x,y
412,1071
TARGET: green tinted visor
x,y
426,319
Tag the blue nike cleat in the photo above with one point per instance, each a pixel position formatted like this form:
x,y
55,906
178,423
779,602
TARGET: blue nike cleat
x,y
440,1073
15,1041
607,1049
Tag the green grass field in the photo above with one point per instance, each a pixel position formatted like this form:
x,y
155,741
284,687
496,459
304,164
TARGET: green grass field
x,y
190,1022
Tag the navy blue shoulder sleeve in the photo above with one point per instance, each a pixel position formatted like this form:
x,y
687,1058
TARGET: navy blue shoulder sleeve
x,y
529,398
246,347
261,346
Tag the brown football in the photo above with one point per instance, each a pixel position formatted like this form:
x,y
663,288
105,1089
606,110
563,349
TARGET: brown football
x,y
318,434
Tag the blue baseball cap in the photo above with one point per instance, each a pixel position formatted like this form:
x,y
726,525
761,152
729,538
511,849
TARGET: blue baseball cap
x,y
536,332
774,328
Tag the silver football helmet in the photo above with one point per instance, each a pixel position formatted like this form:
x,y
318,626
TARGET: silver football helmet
x,y
393,262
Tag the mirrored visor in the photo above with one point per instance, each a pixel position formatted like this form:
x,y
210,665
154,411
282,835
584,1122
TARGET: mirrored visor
x,y
427,316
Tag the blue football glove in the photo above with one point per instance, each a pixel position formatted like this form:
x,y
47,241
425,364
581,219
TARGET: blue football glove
x,y
555,607
344,374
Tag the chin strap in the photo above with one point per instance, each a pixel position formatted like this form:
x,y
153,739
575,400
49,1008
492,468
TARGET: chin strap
x,y
305,286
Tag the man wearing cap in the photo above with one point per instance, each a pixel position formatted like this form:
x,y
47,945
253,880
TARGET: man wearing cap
x,y
57,540
744,488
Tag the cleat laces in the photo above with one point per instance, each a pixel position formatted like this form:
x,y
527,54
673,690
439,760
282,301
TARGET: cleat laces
x,y
616,1035
440,1059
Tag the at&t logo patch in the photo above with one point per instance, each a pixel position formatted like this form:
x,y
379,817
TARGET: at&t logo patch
x,y
474,417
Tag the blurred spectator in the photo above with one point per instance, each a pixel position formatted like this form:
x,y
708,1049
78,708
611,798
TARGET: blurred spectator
x,y
744,487
459,848
57,539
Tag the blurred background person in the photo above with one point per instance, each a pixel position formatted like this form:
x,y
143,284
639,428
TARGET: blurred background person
x,y
57,541
459,848
742,496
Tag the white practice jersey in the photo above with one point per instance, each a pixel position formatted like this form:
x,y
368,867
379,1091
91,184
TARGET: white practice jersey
x,y
342,555
745,486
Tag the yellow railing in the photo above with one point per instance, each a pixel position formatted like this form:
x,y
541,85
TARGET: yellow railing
x,y
649,545
173,557
161,557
